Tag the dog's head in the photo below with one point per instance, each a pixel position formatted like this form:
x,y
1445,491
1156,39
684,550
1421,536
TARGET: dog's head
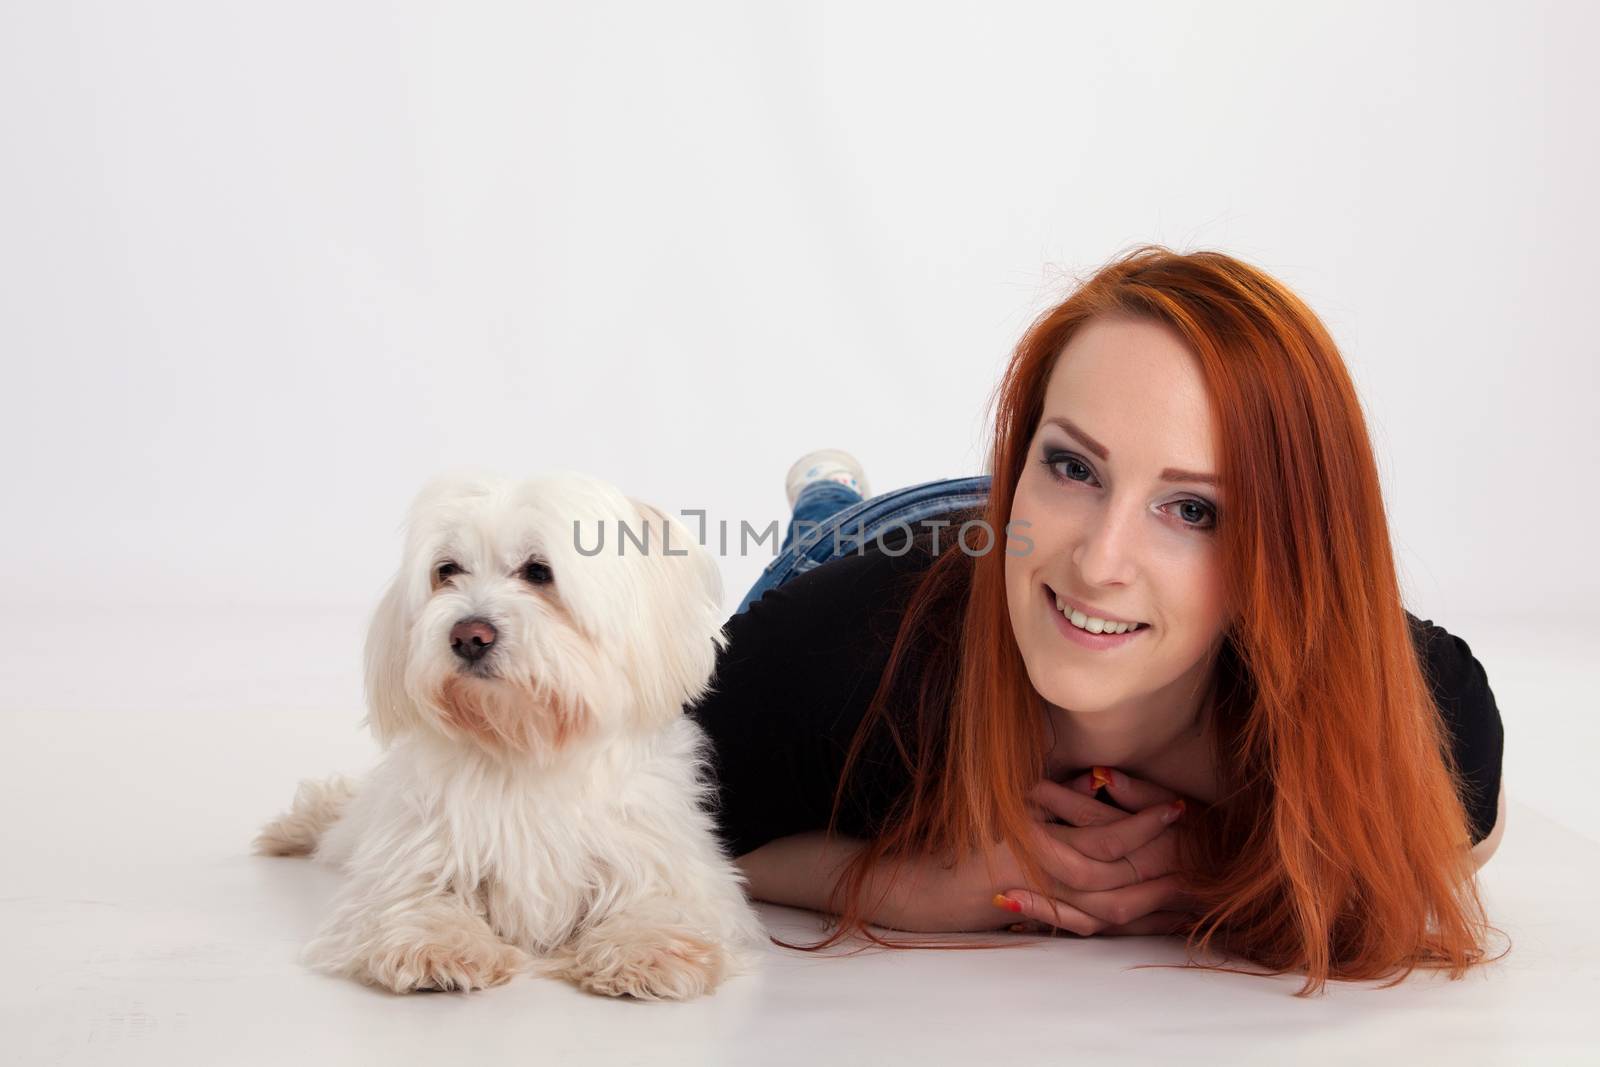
x,y
528,616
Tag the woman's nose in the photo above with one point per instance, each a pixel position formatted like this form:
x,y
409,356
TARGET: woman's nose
x,y
1105,555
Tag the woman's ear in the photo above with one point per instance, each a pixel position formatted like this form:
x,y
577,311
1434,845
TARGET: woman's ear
x,y
391,713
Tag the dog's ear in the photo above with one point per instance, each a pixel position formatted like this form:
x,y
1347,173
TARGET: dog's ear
x,y
390,712
683,622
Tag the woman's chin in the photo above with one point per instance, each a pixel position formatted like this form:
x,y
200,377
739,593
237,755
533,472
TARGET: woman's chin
x,y
1080,700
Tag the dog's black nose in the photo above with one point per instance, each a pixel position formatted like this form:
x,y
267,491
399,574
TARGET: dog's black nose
x,y
472,638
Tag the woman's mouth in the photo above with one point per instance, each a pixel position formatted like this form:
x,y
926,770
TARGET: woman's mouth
x,y
1080,628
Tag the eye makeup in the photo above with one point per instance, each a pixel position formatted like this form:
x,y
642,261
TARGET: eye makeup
x,y
1056,457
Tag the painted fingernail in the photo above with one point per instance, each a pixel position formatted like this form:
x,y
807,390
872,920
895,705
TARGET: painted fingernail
x,y
1174,810
1101,776
1017,928
1003,901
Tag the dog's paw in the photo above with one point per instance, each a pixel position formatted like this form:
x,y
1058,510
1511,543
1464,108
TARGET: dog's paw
x,y
651,964
445,965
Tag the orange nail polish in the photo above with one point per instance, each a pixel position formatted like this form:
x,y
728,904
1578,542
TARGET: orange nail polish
x,y
1003,901
1101,776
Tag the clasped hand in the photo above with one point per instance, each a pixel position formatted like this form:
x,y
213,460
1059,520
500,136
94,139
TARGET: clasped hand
x,y
1111,872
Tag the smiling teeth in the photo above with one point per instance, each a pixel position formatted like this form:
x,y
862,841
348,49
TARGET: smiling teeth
x,y
1091,623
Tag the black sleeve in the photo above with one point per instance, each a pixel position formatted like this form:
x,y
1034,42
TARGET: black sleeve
x,y
790,689
1472,720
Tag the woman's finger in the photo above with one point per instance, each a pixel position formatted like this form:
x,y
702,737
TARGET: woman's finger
x,y
1130,793
1111,907
1090,857
1151,860
1071,807
1147,907
1026,904
1114,840
1131,901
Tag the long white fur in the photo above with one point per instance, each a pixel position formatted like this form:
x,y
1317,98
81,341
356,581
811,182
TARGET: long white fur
x,y
492,840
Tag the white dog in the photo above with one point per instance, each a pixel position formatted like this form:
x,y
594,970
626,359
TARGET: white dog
x,y
539,803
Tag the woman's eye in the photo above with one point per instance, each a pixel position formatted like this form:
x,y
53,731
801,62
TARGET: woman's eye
x,y
1066,466
1197,513
445,571
536,573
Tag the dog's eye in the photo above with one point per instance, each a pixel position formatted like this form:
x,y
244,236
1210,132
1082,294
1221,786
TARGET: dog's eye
x,y
536,572
445,571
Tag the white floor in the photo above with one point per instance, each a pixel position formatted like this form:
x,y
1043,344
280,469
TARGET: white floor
x,y
137,928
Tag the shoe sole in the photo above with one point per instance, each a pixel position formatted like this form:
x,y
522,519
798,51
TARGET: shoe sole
x,y
825,455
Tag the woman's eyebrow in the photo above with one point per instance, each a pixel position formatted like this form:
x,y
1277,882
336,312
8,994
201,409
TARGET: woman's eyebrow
x,y
1171,474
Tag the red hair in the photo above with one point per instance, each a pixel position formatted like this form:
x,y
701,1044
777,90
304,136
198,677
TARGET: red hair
x,y
1338,845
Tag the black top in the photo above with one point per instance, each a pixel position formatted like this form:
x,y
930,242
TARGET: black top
x,y
803,662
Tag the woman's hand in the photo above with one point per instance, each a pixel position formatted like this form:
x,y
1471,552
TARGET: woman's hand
x,y
1091,864
1151,903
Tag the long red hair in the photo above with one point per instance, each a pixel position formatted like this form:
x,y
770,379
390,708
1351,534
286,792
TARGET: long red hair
x,y
1337,847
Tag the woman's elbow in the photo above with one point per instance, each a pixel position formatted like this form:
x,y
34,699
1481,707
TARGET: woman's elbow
x,y
1483,850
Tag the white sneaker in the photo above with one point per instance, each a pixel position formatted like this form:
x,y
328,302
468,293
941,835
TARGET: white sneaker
x,y
827,464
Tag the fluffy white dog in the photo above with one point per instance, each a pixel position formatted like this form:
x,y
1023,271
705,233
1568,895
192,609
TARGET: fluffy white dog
x,y
539,804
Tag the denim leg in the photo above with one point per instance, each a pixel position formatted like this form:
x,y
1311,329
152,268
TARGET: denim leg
x,y
889,516
816,503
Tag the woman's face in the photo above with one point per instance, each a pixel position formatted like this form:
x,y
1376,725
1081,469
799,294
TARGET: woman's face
x,y
1122,522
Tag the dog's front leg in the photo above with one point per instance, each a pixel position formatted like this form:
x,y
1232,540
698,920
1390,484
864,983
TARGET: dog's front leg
x,y
413,937
675,935
650,950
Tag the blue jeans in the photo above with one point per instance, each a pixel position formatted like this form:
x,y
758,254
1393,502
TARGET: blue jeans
x,y
831,520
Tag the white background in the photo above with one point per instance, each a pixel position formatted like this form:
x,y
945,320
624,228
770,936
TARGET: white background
x,y
266,267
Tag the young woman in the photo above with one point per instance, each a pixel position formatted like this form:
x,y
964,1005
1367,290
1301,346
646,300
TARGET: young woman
x,y
1150,675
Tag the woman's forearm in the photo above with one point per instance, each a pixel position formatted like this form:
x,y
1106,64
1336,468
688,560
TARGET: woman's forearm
x,y
920,896
799,871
